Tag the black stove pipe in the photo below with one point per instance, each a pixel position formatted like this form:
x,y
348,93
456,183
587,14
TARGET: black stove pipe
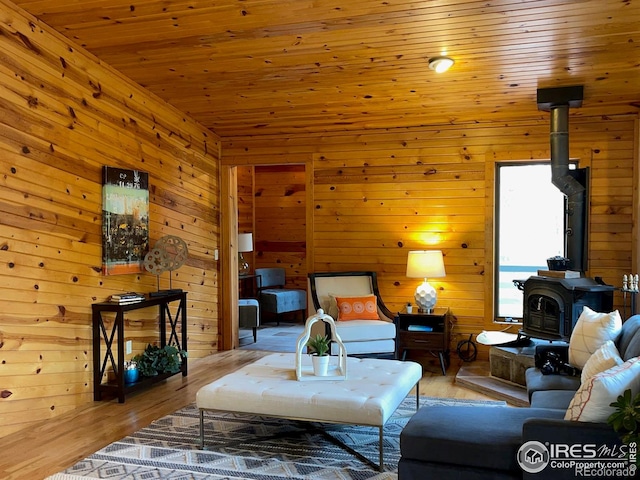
x,y
575,192
572,183
559,140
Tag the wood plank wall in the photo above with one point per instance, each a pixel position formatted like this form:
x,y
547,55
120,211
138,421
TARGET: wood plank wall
x,y
280,219
379,193
246,208
63,115
272,203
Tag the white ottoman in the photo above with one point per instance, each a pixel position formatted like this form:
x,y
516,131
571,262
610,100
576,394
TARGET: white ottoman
x,y
373,390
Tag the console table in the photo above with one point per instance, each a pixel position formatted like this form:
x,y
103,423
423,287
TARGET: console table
x,y
425,331
117,335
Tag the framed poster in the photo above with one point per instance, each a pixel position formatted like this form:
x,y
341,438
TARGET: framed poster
x,y
125,220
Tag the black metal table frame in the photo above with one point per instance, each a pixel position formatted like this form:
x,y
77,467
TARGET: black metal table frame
x,y
100,333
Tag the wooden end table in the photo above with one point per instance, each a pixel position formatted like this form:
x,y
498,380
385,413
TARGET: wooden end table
x,y
426,332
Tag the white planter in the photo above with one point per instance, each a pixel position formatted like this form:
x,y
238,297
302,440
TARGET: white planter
x,y
320,365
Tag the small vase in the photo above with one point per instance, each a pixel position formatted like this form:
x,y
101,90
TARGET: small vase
x,y
131,375
320,365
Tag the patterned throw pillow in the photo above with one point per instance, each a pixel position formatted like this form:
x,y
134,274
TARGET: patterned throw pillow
x,y
590,332
606,357
358,308
591,403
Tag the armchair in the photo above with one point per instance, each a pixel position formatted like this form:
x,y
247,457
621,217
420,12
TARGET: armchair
x,y
360,337
276,299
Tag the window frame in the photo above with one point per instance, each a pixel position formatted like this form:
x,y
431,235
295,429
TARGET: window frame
x,y
496,226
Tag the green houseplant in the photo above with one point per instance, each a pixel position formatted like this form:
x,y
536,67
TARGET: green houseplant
x,y
319,345
626,418
156,360
319,349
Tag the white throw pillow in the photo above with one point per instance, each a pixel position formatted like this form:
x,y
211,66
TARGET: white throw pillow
x,y
590,332
591,403
606,357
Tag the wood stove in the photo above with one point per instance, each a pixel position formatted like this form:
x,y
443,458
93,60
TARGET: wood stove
x,y
552,306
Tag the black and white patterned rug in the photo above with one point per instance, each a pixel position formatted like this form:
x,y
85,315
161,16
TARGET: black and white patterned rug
x,y
241,446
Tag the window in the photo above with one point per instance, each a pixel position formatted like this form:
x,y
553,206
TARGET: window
x,y
530,227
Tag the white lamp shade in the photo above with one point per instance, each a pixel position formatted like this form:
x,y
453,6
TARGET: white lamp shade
x,y
245,242
425,264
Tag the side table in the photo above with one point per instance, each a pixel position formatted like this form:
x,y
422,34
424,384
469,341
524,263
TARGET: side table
x,y
426,332
249,285
110,333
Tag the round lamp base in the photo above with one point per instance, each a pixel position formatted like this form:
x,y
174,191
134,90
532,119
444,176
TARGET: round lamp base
x,y
426,297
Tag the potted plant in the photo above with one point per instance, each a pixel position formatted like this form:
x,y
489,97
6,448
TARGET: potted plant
x,y
156,360
319,349
626,418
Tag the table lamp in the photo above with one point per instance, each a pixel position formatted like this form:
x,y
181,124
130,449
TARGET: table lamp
x,y
425,264
245,244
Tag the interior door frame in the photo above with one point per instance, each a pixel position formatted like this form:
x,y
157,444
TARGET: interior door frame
x,y
228,285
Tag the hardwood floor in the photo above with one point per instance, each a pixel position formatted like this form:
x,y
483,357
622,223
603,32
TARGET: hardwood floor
x,y
59,443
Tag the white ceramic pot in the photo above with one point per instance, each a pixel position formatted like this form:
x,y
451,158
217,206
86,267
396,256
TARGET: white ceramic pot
x,y
320,365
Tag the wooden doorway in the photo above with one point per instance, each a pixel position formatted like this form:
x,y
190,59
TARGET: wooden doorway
x,y
280,198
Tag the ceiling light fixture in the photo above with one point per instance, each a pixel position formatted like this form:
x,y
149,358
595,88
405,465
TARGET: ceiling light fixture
x,y
440,64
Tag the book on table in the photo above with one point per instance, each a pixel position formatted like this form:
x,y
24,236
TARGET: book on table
x,y
126,298
420,328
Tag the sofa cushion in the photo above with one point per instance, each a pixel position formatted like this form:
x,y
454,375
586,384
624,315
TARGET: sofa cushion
x,y
417,470
357,308
591,331
629,341
365,330
591,403
604,358
536,381
558,399
475,436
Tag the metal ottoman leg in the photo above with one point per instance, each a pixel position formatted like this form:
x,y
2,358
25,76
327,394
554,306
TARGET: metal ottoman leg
x,y
201,429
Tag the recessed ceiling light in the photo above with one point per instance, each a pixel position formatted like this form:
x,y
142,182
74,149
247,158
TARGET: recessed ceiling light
x,y
440,64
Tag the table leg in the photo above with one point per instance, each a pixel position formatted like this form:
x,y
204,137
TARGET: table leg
x,y
201,429
381,460
442,362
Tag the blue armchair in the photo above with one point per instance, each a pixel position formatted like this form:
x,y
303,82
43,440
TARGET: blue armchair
x,y
276,299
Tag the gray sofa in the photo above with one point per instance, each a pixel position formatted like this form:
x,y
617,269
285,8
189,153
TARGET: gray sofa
x,y
482,442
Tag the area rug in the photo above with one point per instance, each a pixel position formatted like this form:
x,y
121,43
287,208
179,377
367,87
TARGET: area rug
x,y
241,446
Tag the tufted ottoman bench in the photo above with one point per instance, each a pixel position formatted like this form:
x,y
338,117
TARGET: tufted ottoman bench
x,y
372,391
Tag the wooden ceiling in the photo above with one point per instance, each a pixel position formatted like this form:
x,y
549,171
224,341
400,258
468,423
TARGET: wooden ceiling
x,y
250,67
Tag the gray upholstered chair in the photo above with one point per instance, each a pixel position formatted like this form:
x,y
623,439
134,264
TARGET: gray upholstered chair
x,y
276,299
249,313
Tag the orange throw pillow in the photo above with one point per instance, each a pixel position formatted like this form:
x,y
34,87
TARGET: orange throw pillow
x,y
357,308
